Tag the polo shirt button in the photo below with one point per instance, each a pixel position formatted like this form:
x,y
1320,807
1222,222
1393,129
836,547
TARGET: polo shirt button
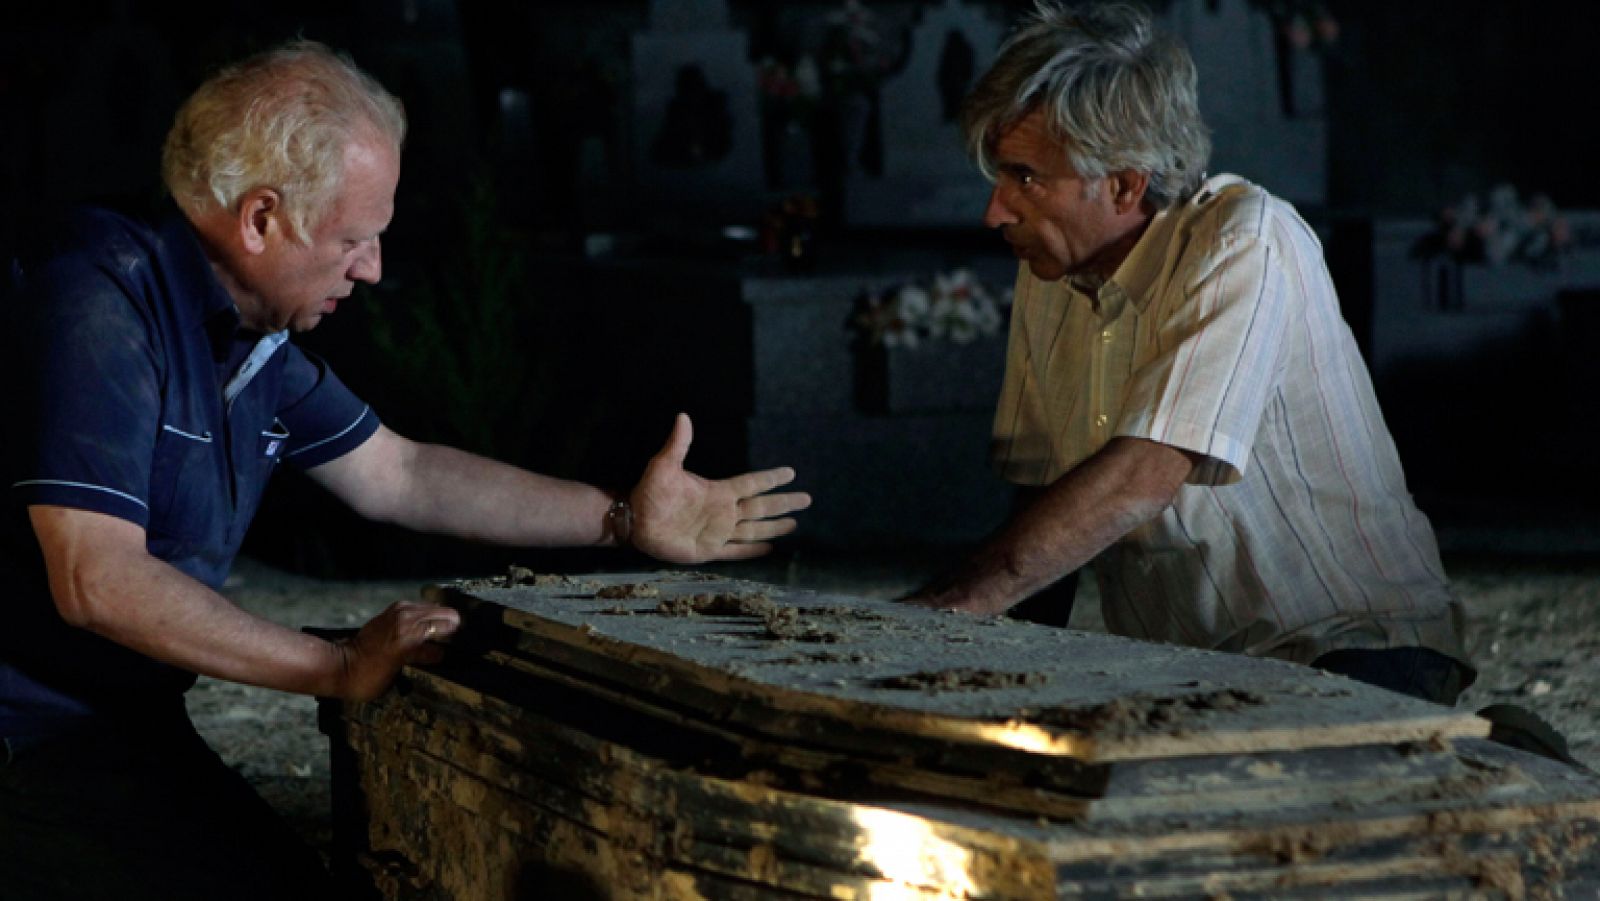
x,y
1105,336
1100,420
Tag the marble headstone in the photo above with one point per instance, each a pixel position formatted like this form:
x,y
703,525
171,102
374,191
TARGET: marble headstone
x,y
696,121
1253,133
927,179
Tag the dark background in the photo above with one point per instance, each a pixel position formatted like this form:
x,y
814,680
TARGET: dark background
x,y
1424,102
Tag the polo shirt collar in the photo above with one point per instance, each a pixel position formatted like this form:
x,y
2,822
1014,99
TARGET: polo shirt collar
x,y
209,305
185,261
212,307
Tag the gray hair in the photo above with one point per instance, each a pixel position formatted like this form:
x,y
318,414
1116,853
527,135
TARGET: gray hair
x,y
280,119
1117,92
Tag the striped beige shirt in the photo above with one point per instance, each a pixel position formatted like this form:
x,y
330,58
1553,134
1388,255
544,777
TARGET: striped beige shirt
x,y
1221,335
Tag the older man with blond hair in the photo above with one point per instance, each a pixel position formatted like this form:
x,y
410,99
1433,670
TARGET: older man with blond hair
x,y
153,392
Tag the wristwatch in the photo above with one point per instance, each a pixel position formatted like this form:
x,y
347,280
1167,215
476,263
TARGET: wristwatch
x,y
619,519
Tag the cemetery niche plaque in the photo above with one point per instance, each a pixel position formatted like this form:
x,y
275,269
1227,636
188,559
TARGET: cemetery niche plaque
x,y
696,123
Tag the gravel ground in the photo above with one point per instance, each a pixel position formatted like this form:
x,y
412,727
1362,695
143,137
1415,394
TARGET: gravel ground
x,y
1535,628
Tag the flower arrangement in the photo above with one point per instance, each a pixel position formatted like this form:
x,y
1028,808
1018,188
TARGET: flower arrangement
x,y
1305,24
1499,228
1302,24
792,91
956,307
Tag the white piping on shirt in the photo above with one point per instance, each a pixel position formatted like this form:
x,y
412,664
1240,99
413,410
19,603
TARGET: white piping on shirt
x,y
345,431
206,438
121,494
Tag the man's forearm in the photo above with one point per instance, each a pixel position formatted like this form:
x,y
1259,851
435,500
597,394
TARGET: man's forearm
x,y
147,605
104,580
472,497
677,516
1112,493
439,489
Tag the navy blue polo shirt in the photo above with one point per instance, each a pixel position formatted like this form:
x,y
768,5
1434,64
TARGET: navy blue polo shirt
x,y
135,393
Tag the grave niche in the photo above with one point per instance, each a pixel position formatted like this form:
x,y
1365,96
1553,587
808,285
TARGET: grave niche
x,y
1261,97
926,179
696,141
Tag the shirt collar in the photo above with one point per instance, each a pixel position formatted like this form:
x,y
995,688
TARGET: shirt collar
x,y
1134,277
1152,255
185,259
1138,272
204,302
1105,297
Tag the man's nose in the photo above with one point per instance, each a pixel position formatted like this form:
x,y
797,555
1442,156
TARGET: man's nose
x,y
368,266
997,214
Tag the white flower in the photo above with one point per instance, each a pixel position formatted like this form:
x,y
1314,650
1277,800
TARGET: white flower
x,y
912,304
900,338
962,285
958,308
988,319
808,77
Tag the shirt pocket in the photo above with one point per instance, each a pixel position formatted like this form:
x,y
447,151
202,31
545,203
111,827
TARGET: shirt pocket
x,y
186,489
253,475
273,441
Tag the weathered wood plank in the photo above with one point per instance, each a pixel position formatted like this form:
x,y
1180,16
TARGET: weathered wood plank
x,y
672,816
854,663
1243,782
933,770
1542,860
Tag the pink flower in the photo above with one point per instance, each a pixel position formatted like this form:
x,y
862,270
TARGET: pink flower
x,y
1297,33
1327,29
1560,231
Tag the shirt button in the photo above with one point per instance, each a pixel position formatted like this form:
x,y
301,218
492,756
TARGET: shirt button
x,y
1100,420
1105,336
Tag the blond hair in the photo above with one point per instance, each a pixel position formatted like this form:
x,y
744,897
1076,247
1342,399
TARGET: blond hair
x,y
1117,92
280,119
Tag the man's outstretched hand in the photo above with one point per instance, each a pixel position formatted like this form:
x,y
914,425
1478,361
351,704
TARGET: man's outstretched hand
x,y
681,518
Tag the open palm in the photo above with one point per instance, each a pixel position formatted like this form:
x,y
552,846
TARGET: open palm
x,y
680,517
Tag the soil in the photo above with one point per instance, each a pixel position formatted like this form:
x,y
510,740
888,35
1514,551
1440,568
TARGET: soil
x,y
1534,634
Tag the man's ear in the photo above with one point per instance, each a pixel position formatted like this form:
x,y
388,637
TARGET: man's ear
x,y
1127,189
260,215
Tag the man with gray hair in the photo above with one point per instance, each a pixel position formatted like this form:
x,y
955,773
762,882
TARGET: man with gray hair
x,y
153,393
1181,392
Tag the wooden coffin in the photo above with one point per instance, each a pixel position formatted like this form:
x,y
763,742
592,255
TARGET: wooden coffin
x,y
680,736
